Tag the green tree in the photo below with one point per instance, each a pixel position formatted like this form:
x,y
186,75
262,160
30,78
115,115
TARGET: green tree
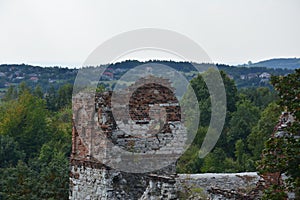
x,y
203,95
282,154
53,170
18,182
101,88
40,179
11,93
242,157
45,174
10,152
214,161
38,92
260,133
23,87
64,96
260,97
51,99
190,162
24,120
241,123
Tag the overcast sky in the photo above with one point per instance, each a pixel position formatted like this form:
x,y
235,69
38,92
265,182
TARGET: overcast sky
x,y
64,33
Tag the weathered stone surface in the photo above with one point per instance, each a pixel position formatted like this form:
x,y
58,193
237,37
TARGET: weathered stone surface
x,y
104,183
151,122
220,186
160,188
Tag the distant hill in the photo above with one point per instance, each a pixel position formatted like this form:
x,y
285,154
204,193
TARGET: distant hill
x,y
283,63
254,75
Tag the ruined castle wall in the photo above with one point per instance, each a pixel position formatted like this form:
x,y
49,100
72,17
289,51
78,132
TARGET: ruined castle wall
x,y
220,185
89,180
108,184
92,181
134,127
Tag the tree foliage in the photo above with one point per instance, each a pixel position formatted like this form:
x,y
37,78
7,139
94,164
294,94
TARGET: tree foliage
x,y
251,116
25,121
260,133
282,154
10,152
35,145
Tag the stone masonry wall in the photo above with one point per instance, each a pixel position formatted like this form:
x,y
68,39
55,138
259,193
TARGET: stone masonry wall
x,y
220,185
90,181
143,121
134,128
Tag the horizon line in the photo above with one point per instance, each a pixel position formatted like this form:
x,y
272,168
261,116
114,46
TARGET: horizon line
x,y
76,66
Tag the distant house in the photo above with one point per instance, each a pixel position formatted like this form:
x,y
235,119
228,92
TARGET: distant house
x,y
2,74
34,79
20,77
251,76
242,77
265,75
51,80
108,75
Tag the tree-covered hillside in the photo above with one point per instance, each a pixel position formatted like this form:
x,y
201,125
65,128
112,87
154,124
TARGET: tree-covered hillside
x,y
283,63
54,77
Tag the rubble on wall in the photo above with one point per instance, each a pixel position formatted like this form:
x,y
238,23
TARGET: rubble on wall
x,y
243,186
160,188
91,180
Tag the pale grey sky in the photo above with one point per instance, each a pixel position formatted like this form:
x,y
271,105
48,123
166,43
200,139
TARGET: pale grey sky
x,y
64,33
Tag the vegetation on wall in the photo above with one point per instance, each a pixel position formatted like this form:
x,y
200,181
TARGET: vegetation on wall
x,y
282,154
